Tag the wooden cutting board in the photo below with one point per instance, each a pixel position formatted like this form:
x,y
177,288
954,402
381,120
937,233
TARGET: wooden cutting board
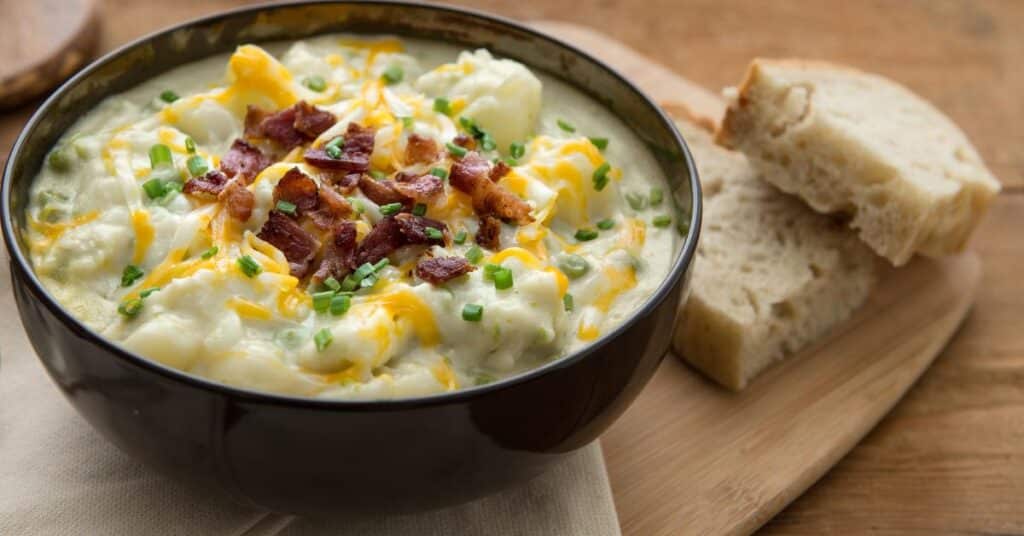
x,y
691,458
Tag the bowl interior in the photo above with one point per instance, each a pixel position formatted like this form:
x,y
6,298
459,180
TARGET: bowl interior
x,y
153,55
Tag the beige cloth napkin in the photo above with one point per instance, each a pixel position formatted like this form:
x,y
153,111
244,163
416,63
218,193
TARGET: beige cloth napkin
x,y
58,476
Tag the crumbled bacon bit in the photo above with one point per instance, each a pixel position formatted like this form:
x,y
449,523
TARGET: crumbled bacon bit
x,y
470,175
464,141
420,150
298,189
498,171
244,159
339,254
414,229
394,232
488,234
381,192
355,152
424,188
290,127
312,121
238,199
208,186
298,246
438,270
332,207
384,238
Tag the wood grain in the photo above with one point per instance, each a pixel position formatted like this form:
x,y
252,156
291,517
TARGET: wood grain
x,y
44,42
950,458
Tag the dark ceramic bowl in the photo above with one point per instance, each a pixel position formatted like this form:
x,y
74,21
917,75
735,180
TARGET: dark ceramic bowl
x,y
302,455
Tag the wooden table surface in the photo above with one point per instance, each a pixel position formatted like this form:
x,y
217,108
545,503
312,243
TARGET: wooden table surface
x,y
950,457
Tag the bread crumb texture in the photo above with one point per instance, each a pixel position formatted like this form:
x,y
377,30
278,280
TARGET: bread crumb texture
x,y
771,275
850,142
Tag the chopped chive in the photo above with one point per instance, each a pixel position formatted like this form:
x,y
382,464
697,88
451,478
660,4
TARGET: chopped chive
x,y
168,96
190,145
460,237
662,220
573,266
378,175
408,122
517,150
131,307
333,151
472,312
315,83
567,301
683,227
340,304
565,125
440,173
322,300
160,155
585,235
434,234
362,272
350,283
600,177
335,142
419,209
606,224
130,275
59,160
357,204
600,143
197,165
474,254
154,188
490,270
209,253
368,281
287,207
512,162
503,279
392,75
484,379
455,149
487,143
656,196
145,293
381,264
249,266
442,106
322,339
391,209
467,124
332,284
637,201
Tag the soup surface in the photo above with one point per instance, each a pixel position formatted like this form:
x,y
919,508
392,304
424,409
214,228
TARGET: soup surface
x,y
351,218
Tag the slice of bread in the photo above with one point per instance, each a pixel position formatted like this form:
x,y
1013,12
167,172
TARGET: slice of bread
x,y
848,141
771,275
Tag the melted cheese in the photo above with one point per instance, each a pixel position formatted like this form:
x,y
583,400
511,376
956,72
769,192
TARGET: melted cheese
x,y
144,234
248,309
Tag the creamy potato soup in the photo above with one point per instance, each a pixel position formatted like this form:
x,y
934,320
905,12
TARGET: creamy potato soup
x,y
353,218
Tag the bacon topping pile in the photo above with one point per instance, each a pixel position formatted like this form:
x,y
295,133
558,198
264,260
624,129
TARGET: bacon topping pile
x,y
339,254
355,152
438,270
290,127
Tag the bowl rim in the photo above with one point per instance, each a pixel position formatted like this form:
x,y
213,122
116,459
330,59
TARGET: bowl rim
x,y
19,260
